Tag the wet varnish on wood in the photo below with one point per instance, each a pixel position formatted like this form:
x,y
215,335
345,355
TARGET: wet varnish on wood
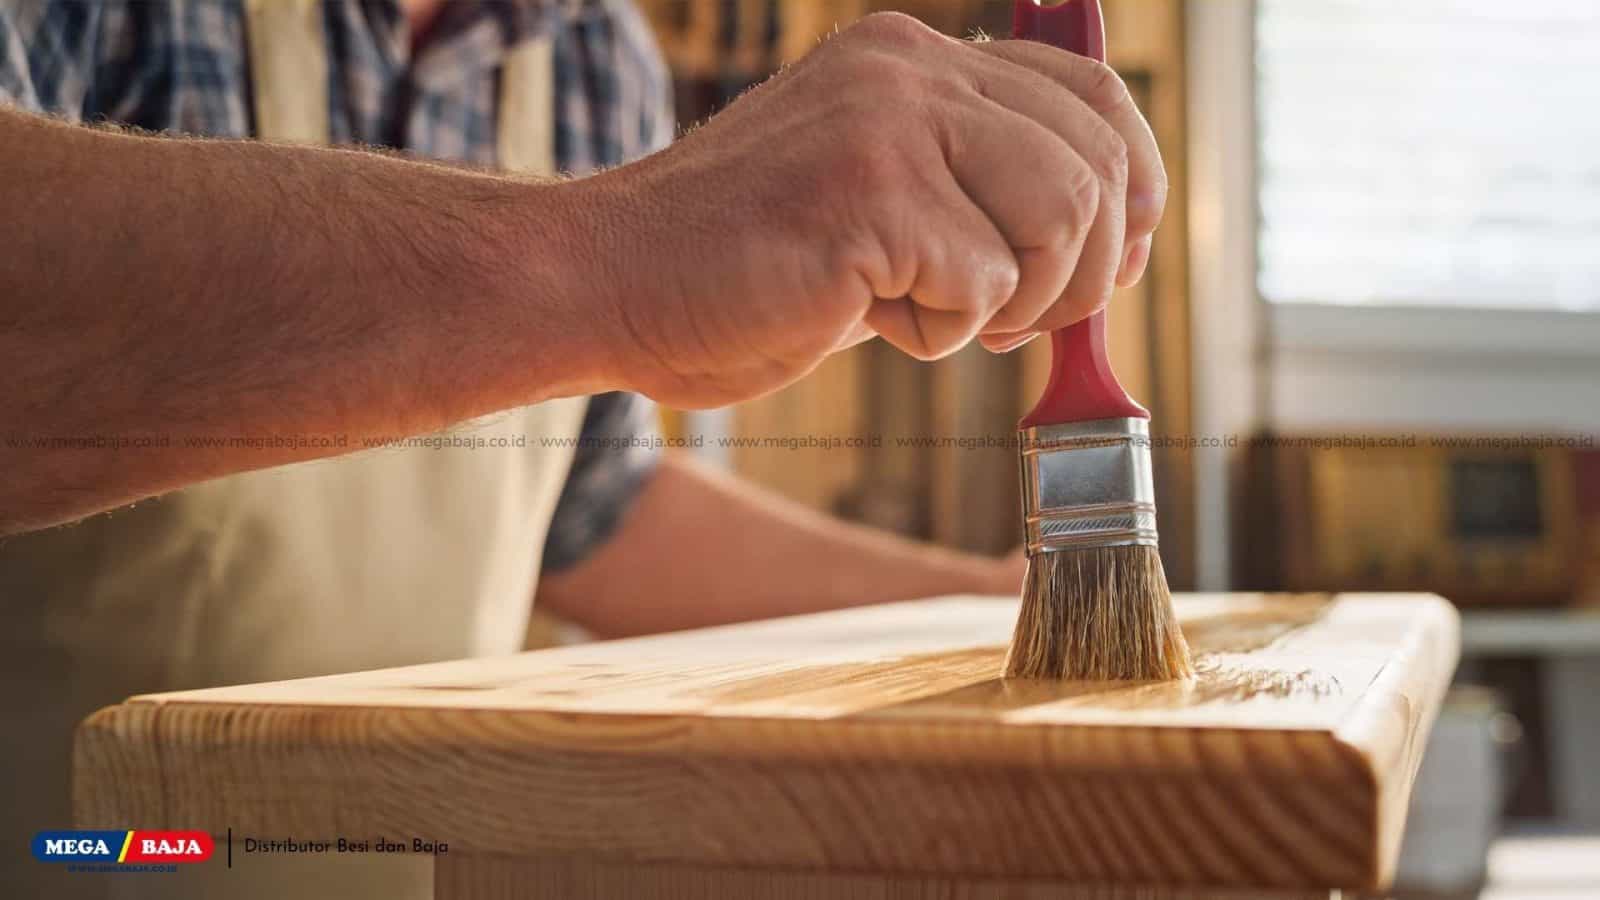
x,y
875,743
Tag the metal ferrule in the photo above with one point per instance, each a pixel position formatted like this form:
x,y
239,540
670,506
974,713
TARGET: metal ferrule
x,y
1087,484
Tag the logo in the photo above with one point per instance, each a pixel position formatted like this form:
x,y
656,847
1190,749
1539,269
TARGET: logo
x,y
124,847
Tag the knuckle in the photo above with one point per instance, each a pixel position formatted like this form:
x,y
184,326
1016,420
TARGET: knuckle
x,y
998,282
1059,209
900,80
1080,198
893,28
872,164
892,100
1108,154
1101,87
881,86
862,202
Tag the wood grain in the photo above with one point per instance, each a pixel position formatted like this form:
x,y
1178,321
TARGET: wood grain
x,y
878,740
468,877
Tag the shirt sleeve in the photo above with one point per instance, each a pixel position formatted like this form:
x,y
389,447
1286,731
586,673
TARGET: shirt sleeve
x,y
617,452
46,54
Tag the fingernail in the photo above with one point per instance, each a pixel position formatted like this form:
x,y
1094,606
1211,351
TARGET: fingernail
x,y
1013,344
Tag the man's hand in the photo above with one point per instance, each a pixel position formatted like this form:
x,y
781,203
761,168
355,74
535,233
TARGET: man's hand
x,y
894,182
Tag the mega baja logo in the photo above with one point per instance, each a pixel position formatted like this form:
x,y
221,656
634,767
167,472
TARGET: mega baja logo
x,y
125,847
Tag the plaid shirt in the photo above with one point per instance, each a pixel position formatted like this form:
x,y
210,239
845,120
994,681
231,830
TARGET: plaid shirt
x,y
181,65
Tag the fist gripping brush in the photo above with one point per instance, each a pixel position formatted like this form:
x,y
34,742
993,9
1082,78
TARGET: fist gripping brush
x,y
1095,603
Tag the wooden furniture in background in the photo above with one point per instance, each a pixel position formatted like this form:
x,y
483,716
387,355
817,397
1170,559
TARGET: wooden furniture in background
x,y
1586,483
868,753
750,38
1475,517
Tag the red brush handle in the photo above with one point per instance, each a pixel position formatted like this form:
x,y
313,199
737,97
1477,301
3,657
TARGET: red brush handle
x,y
1082,385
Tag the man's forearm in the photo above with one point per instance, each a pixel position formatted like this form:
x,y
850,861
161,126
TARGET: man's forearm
x,y
155,290
158,287
701,548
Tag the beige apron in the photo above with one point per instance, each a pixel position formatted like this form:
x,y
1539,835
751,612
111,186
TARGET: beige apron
x,y
381,558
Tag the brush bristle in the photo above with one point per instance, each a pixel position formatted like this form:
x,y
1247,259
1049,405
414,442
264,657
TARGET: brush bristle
x,y
1102,613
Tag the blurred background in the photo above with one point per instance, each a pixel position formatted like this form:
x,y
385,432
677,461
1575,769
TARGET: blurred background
x,y
1369,338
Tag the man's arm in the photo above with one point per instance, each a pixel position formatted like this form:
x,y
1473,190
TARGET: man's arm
x,y
894,182
701,548
190,292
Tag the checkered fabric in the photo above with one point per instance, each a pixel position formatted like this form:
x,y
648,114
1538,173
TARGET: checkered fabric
x,y
182,66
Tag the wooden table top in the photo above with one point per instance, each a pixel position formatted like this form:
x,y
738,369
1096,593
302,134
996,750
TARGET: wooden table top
x,y
878,739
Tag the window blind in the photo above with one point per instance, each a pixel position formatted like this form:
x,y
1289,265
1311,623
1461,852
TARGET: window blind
x,y
1429,152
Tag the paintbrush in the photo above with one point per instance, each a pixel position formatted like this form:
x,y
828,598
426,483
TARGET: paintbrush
x,y
1095,602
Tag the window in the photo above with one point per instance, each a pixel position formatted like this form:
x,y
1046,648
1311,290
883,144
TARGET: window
x,y
1429,153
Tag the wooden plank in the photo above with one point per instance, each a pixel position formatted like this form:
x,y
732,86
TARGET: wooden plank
x,y
877,740
469,877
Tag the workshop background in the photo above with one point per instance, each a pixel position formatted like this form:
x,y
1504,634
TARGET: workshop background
x,y
1369,339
